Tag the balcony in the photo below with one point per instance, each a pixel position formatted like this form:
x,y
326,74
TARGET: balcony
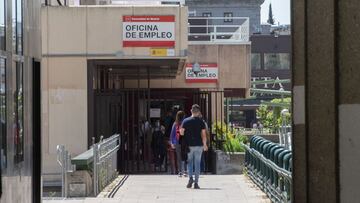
x,y
218,30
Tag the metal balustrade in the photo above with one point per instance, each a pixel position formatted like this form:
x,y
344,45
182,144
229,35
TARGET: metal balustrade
x,y
105,162
64,160
269,165
230,30
100,160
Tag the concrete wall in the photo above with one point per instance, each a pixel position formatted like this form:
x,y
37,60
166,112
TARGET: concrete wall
x,y
326,101
231,60
97,31
64,107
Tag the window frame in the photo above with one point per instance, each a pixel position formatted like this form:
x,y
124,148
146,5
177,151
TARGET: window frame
x,y
280,67
18,37
3,46
207,14
228,19
3,139
19,120
260,58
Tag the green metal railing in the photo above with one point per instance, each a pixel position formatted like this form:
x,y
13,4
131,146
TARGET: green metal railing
x,y
269,165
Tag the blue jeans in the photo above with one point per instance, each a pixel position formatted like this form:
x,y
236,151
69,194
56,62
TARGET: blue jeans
x,y
194,157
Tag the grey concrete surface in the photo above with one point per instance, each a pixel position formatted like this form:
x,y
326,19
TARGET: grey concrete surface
x,y
171,189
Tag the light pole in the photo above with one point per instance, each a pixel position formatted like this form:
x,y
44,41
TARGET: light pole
x,y
283,138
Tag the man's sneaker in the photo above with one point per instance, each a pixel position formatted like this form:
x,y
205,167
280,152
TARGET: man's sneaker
x,y
180,174
196,186
189,185
185,174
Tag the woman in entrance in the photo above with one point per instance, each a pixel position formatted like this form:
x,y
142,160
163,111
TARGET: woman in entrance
x,y
176,143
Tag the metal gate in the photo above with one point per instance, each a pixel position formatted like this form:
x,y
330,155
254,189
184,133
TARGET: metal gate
x,y
126,111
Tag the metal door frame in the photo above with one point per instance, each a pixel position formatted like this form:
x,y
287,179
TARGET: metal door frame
x,y
129,98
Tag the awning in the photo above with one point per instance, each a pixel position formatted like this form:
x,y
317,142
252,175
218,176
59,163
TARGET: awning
x,y
142,68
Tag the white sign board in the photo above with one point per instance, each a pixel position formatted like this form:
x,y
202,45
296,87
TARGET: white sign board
x,y
155,113
148,31
208,74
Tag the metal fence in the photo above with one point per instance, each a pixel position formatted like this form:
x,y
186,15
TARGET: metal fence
x,y
269,165
285,136
104,159
105,162
64,160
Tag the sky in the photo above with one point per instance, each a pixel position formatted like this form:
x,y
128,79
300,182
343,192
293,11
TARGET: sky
x,y
280,8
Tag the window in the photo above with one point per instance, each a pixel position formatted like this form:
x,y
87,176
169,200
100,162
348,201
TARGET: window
x,y
277,61
2,25
255,61
19,113
207,14
17,19
228,17
192,13
3,139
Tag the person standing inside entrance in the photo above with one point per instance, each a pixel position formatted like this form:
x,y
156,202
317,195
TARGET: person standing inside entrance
x,y
176,141
194,131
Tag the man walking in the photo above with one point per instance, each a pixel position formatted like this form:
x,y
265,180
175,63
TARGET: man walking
x,y
194,131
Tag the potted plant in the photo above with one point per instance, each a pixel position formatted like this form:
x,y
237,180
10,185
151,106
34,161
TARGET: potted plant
x,y
229,156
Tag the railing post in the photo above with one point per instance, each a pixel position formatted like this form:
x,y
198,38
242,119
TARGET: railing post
x,y
95,170
65,172
60,149
215,33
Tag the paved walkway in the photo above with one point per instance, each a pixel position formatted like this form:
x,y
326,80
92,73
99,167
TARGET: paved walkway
x,y
171,189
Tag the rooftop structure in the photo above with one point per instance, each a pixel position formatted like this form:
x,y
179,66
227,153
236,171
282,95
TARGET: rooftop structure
x,y
228,9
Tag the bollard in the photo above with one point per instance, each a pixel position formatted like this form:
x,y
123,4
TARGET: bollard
x,y
287,166
281,164
272,158
276,157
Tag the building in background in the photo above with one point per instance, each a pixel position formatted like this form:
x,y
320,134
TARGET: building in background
x,y
228,9
270,60
270,47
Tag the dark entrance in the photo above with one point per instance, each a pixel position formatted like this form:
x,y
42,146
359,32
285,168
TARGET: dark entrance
x,y
126,112
114,108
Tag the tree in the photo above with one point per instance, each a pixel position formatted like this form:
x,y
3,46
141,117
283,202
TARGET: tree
x,y
271,19
270,116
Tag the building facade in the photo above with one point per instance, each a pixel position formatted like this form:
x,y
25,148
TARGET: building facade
x,y
109,72
20,54
228,9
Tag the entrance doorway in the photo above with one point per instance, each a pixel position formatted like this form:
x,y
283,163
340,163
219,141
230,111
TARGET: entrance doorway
x,y
115,108
130,112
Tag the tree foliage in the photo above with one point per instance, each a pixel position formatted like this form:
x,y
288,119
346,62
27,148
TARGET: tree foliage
x,y
270,116
271,19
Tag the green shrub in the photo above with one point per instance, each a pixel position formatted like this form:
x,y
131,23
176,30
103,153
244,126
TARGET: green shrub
x,y
270,116
232,139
